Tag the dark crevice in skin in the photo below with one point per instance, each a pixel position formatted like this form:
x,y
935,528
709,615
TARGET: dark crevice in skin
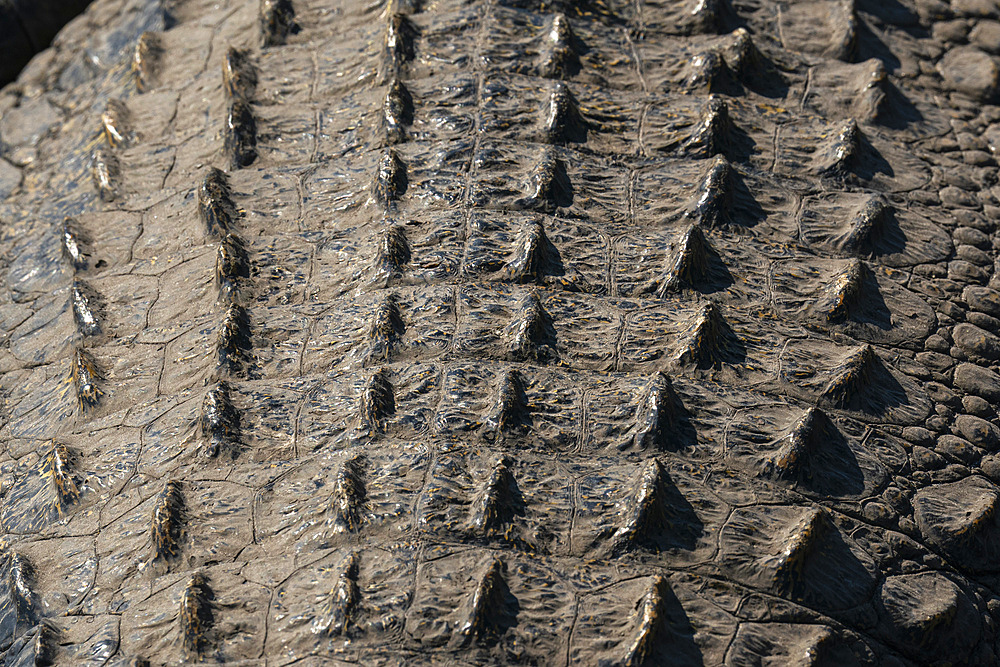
x,y
27,27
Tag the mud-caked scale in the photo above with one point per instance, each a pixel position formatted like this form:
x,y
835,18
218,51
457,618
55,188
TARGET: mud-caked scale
x,y
471,332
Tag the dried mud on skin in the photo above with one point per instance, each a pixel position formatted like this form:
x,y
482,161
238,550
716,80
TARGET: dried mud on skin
x,y
501,332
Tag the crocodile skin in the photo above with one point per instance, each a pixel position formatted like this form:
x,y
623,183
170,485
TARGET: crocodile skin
x,y
502,332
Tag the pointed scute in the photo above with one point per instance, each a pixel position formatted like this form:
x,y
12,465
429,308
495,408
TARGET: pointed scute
x,y
196,616
392,253
497,502
644,511
485,606
239,75
711,135
708,341
689,265
509,412
651,622
350,496
563,122
802,541
843,31
530,330
790,462
852,378
75,243
839,155
710,207
116,124
657,415
868,226
240,134
277,21
234,346
59,466
146,60
215,204
531,259
390,180
335,613
166,526
549,187
386,328
106,172
378,403
558,57
397,112
85,376
220,421
847,291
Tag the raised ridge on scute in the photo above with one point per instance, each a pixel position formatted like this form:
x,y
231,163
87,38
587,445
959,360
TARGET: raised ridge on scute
x,y
485,606
709,340
791,460
377,403
116,124
166,523
847,291
84,301
21,584
234,344
75,244
711,135
146,60
509,412
239,75
711,204
216,207
220,421
644,513
400,44
531,259
871,100
689,265
59,464
530,331
844,34
803,541
240,134
350,496
652,622
562,121
840,154
85,376
397,112
558,57
196,615
277,21
232,267
335,612
106,172
392,253
549,186
657,415
498,501
867,226
390,180
851,378
385,330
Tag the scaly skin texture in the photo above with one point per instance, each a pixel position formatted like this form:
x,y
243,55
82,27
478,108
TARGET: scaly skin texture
x,y
501,332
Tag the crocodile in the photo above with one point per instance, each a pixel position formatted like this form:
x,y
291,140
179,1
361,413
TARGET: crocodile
x,y
502,332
